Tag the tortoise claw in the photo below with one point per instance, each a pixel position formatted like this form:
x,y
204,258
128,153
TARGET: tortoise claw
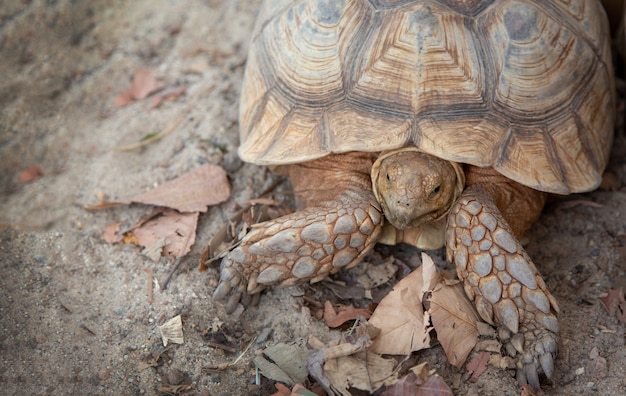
x,y
232,302
537,356
547,364
231,290
223,289
531,375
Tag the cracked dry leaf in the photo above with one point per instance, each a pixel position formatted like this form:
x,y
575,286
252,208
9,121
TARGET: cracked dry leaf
x,y
172,331
454,319
340,364
144,83
169,231
411,384
364,371
478,365
287,363
376,275
192,192
615,304
401,318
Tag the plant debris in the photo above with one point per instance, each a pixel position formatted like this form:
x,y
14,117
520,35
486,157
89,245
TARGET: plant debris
x,y
166,233
615,303
346,313
171,229
144,83
348,363
478,365
172,331
405,324
284,363
31,173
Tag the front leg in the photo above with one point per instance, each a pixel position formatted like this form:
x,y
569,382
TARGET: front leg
x,y
504,284
305,246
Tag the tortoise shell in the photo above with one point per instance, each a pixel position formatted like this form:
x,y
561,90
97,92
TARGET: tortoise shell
x,y
525,86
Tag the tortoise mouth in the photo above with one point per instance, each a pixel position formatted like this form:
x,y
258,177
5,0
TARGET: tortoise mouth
x,y
405,222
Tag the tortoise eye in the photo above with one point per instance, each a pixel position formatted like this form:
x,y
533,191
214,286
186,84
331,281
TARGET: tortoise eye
x,y
434,192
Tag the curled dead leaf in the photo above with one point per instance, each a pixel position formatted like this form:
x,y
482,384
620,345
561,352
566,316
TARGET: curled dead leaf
x,y
340,365
346,312
454,319
401,318
169,231
614,302
172,331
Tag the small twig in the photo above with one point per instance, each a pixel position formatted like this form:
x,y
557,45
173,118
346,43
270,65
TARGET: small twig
x,y
150,273
171,273
172,127
177,263
221,346
223,366
88,329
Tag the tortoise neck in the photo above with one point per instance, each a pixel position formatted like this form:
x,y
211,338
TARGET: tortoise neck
x,y
326,178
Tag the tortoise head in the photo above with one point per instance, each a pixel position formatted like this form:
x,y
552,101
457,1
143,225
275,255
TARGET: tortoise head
x,y
415,188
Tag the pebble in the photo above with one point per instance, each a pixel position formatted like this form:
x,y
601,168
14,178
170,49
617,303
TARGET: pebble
x,y
103,375
601,369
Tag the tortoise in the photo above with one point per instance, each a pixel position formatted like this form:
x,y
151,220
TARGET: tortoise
x,y
433,122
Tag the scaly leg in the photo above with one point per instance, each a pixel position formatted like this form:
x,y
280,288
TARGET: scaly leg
x,y
305,246
502,281
340,225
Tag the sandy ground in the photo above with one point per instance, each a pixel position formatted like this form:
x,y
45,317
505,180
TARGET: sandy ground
x,y
75,313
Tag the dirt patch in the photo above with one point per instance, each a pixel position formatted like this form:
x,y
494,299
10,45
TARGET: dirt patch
x,y
76,314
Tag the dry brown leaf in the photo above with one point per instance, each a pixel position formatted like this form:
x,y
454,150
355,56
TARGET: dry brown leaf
x,y
110,232
31,173
346,312
144,83
154,251
411,385
192,192
454,319
401,318
478,365
172,331
178,229
340,365
615,303
365,371
435,386
377,274
287,362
